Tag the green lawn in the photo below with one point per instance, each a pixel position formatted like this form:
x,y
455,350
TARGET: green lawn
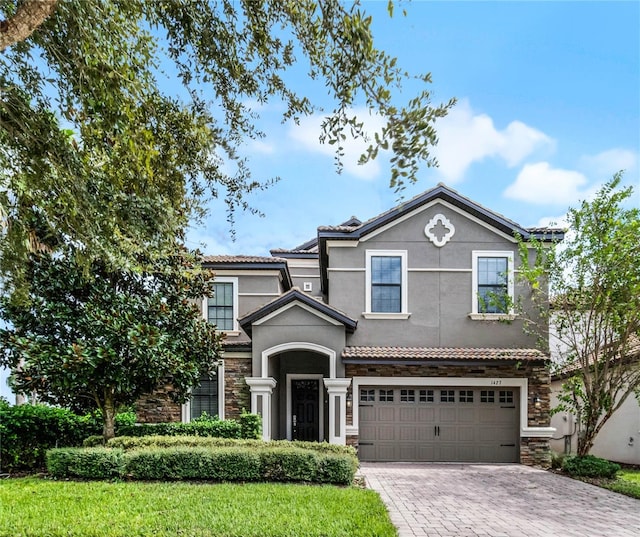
x,y
32,506
627,482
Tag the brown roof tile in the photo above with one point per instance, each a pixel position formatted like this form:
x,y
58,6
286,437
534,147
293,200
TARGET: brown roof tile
x,y
240,259
438,353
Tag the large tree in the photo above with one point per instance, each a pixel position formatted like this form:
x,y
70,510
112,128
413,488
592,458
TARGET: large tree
x,y
101,339
116,116
594,281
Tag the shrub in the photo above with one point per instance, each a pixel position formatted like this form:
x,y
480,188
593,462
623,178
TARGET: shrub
x,y
208,427
28,431
85,463
292,464
556,460
130,442
226,464
590,466
250,425
336,469
247,460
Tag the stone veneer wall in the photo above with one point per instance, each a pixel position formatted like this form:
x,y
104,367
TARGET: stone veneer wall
x,y
533,451
158,407
237,396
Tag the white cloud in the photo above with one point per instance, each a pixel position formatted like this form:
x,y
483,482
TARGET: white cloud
x,y
542,184
307,134
554,221
608,162
262,147
466,138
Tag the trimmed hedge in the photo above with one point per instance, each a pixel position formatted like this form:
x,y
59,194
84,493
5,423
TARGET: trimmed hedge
x,y
590,466
163,458
226,464
86,463
129,443
248,426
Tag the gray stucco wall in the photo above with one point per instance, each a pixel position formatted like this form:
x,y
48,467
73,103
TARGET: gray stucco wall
x,y
439,286
296,325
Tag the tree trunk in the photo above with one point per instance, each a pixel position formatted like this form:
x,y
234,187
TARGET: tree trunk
x,y
30,15
108,416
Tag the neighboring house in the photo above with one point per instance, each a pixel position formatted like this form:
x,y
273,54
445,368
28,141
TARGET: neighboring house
x,y
376,334
619,439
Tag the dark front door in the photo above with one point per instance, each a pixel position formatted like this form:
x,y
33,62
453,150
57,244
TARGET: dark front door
x,y
305,421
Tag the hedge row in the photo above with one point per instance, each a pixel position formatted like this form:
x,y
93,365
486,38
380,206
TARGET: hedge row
x,y
247,426
202,463
129,443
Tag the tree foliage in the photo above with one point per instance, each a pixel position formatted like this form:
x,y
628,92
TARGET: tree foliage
x,y
119,117
101,340
594,279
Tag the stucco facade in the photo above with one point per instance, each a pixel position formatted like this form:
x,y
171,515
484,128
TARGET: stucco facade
x,y
375,330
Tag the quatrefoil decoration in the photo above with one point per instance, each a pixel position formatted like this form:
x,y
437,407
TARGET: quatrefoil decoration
x,y
431,228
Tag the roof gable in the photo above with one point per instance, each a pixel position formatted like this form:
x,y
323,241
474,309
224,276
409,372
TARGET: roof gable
x,y
296,297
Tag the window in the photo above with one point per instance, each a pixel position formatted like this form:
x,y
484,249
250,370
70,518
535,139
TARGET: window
x,y
447,396
487,396
386,281
407,396
367,395
492,283
222,307
506,396
204,398
426,396
465,396
386,395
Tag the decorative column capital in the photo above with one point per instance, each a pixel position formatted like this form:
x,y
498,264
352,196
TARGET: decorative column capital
x,y
261,385
337,386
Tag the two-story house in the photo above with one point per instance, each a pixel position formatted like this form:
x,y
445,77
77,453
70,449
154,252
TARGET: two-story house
x,y
386,335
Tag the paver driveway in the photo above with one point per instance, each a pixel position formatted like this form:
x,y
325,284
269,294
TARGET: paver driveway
x,y
498,501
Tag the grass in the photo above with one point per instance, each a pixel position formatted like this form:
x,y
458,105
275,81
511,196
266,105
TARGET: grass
x,y
32,506
627,482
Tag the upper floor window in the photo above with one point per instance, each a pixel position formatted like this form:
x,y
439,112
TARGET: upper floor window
x,y
222,307
492,283
386,292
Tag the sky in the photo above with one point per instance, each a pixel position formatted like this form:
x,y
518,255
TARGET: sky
x,y
548,109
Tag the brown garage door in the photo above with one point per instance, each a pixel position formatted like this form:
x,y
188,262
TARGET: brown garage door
x,y
440,424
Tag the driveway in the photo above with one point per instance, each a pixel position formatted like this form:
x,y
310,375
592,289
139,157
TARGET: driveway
x,y
498,501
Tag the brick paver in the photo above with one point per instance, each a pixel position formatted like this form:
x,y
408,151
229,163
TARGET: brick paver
x,y
473,500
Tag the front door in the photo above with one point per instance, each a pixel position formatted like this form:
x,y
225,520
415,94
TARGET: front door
x,y
305,415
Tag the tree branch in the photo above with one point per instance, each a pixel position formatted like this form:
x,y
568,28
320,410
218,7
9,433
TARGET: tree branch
x,y
30,15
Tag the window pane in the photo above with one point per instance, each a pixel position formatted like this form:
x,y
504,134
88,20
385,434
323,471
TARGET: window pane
x,y
386,269
492,284
221,306
385,298
204,398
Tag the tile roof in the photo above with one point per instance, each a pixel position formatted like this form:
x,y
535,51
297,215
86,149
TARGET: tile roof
x,y
240,259
438,353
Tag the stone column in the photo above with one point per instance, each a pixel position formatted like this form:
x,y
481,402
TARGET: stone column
x,y
337,390
261,390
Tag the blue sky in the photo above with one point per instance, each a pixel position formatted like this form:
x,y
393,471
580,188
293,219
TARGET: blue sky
x,y
548,109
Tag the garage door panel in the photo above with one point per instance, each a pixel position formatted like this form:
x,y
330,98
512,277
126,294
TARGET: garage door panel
x,y
407,414
448,424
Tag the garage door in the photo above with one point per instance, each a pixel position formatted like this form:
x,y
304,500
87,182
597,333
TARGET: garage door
x,y
441,424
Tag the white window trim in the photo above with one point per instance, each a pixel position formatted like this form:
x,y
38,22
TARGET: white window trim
x,y
476,315
404,293
235,331
186,407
